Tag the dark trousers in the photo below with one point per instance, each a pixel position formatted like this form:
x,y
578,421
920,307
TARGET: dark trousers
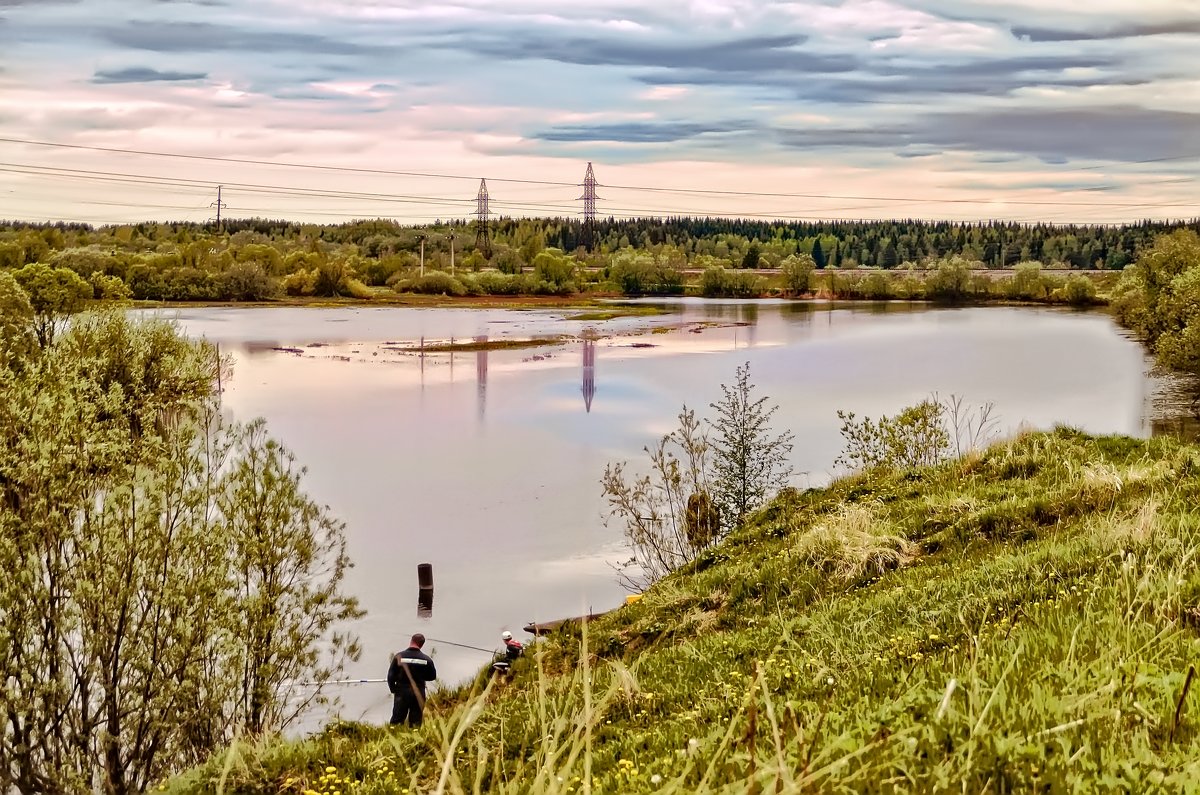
x,y
406,708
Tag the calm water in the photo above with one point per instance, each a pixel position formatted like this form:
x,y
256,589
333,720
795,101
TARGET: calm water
x,y
487,464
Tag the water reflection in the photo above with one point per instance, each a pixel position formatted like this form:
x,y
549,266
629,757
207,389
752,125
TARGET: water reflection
x,y
589,370
481,374
424,603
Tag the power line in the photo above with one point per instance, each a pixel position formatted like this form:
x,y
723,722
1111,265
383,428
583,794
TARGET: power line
x,y
653,189
446,204
250,161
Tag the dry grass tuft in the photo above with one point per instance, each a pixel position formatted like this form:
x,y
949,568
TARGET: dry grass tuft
x,y
854,542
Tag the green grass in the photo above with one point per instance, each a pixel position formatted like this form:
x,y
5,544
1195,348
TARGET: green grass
x,y
1022,620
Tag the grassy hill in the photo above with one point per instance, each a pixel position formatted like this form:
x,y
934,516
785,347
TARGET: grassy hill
x,y
1023,620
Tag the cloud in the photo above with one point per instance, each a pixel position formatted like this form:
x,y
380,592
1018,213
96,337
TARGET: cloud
x,y
160,36
747,55
1125,31
884,81
1122,134
642,132
144,74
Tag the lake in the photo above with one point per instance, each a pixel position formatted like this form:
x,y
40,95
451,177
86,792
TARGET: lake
x,y
486,464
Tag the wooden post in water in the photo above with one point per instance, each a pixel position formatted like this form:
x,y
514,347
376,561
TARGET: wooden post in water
x,y
424,590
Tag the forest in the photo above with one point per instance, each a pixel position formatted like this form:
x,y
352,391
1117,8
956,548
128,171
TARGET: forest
x,y
261,259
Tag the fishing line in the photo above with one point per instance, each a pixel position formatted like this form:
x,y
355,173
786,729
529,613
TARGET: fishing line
x,y
462,645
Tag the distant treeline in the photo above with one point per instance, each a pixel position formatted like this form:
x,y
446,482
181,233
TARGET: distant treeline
x,y
256,259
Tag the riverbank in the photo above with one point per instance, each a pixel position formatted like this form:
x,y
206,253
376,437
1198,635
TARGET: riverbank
x,y
1023,619
975,288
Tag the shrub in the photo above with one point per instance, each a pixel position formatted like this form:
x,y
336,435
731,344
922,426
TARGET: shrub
x,y
910,287
917,436
302,282
929,433
717,282
552,266
470,283
950,280
331,278
493,283
639,273
84,261
248,280
356,289
110,288
1027,282
379,272
433,283
12,255
877,286
797,273
507,260
1079,290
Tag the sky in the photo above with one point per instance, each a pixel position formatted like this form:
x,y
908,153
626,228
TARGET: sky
x,y
1063,112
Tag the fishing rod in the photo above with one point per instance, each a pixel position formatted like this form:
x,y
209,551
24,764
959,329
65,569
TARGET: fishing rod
x,y
462,645
378,681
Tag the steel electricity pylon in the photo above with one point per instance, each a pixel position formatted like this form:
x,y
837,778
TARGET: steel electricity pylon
x,y
483,236
589,209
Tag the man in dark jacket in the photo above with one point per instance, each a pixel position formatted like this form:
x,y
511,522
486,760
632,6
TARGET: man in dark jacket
x,y
407,675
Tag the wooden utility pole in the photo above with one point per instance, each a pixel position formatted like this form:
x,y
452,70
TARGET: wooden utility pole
x,y
422,239
451,253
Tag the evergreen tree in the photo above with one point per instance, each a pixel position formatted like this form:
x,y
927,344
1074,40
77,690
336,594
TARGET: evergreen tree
x,y
818,254
751,258
749,461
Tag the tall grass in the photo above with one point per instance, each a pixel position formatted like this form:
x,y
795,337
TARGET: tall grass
x,y
1023,620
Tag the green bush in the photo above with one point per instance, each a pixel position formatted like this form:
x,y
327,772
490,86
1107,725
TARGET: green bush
x,y
1079,291
109,288
552,266
470,283
248,280
432,283
377,272
356,289
718,282
639,273
877,286
950,280
302,282
798,272
493,283
12,255
1027,282
507,260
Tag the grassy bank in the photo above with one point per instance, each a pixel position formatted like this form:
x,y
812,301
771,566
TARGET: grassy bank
x,y
1023,620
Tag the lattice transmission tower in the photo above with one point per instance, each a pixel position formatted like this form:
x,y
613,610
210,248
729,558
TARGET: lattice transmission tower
x,y
483,236
589,209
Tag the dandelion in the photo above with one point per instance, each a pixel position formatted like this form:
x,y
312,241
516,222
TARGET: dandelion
x,y
829,681
331,770
656,779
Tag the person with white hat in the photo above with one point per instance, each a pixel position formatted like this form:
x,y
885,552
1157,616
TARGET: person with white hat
x,y
512,649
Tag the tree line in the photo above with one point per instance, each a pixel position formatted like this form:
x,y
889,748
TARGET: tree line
x,y
167,582
260,259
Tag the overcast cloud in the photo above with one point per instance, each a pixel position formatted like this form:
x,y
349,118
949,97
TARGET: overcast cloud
x,y
999,100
